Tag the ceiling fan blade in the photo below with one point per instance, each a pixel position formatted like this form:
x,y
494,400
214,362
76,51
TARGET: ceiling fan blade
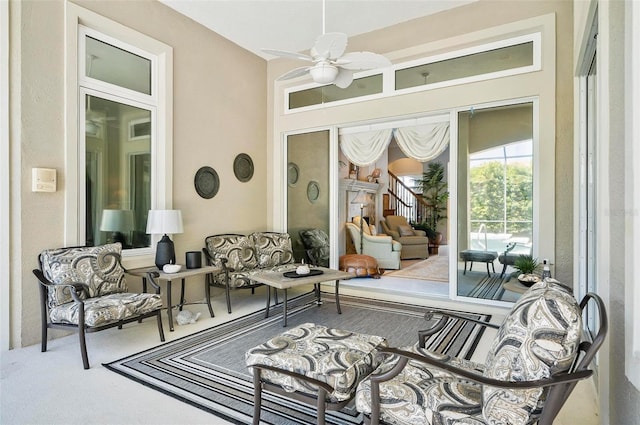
x,y
329,46
285,54
362,60
344,78
294,73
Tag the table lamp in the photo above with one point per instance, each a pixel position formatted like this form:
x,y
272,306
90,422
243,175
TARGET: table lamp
x,y
162,222
362,199
117,222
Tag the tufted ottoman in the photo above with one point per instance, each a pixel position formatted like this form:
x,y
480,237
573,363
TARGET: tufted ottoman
x,y
479,256
360,265
314,364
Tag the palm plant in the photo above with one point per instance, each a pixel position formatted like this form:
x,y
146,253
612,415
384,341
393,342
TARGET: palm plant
x,y
435,194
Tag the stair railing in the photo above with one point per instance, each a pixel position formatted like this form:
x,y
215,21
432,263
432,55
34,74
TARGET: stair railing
x,y
405,201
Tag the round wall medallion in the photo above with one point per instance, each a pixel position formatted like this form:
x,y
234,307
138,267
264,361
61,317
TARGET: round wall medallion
x,y
243,167
207,182
293,173
313,191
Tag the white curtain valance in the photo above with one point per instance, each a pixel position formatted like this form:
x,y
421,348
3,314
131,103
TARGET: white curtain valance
x,y
423,143
366,147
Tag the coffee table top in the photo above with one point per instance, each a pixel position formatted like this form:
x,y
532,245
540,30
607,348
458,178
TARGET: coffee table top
x,y
277,279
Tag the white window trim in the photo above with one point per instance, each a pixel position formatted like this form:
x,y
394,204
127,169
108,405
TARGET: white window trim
x,y
632,196
161,185
5,330
388,74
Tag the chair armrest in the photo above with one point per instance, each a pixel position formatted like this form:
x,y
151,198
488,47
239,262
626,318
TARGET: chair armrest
x,y
75,288
381,239
442,361
418,232
442,322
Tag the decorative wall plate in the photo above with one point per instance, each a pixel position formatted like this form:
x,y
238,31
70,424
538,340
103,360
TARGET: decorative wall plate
x,y
313,191
243,167
293,173
207,182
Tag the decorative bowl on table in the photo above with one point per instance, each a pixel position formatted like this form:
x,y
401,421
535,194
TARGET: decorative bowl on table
x,y
528,279
303,269
171,268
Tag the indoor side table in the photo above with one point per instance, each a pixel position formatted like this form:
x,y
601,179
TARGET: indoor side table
x,y
277,280
154,274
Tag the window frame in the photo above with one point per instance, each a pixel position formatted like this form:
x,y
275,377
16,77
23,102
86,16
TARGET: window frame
x,y
79,22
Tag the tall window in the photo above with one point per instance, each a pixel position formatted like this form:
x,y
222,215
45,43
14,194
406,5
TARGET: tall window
x,y
501,210
119,115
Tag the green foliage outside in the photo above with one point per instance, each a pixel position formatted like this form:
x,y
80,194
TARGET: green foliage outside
x,y
487,189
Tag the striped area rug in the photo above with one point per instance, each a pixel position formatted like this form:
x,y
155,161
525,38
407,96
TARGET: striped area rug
x,y
207,369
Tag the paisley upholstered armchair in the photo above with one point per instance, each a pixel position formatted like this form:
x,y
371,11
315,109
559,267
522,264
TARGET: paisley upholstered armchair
x,y
84,289
535,361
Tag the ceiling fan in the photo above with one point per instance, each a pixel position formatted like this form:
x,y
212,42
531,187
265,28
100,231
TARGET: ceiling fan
x,y
330,63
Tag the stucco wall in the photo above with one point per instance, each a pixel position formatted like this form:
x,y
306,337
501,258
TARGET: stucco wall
x,y
219,112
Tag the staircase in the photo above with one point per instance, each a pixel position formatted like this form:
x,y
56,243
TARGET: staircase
x,y
404,201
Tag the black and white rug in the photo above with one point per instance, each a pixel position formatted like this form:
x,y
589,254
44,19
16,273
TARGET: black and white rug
x,y
207,369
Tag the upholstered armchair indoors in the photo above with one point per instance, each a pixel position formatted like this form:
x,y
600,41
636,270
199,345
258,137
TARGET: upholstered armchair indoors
x,y
535,360
415,243
383,248
84,289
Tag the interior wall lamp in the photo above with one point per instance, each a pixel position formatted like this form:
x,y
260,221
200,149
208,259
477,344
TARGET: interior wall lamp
x,y
164,222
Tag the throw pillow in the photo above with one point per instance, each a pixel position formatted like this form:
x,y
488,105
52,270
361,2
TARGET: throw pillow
x,y
373,230
405,231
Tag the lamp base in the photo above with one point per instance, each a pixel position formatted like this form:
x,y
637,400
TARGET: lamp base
x,y
165,253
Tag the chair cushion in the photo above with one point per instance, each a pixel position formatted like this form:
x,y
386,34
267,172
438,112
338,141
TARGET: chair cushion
x,y
106,309
405,230
365,226
239,250
316,242
93,266
421,394
338,357
272,248
538,339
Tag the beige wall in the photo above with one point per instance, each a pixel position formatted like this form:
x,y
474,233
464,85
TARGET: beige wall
x,y
219,112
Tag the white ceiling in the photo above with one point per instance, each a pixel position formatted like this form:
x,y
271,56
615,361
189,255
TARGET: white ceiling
x,y
293,25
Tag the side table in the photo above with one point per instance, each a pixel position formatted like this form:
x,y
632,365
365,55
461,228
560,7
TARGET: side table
x,y
154,274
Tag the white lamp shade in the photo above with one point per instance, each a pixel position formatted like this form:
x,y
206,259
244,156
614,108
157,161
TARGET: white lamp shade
x,y
161,222
361,198
116,221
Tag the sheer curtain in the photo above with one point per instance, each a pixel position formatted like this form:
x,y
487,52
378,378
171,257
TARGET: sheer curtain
x,y
421,142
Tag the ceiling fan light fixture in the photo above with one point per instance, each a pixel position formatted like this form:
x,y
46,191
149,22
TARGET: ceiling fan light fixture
x,y
324,73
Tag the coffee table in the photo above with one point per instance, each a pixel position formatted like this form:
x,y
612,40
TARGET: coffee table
x,y
277,280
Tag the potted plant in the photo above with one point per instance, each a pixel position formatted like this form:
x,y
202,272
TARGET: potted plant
x,y
526,266
435,195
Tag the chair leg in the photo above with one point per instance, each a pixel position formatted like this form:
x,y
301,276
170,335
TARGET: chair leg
x,y
160,329
43,344
83,347
226,288
321,406
257,396
504,269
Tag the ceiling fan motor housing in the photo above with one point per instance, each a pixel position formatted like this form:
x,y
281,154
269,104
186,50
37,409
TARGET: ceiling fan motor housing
x,y
323,73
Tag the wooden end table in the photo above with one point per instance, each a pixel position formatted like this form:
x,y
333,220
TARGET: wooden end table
x,y
154,274
277,280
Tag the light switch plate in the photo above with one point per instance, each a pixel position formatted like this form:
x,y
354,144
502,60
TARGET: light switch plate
x,y
43,179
